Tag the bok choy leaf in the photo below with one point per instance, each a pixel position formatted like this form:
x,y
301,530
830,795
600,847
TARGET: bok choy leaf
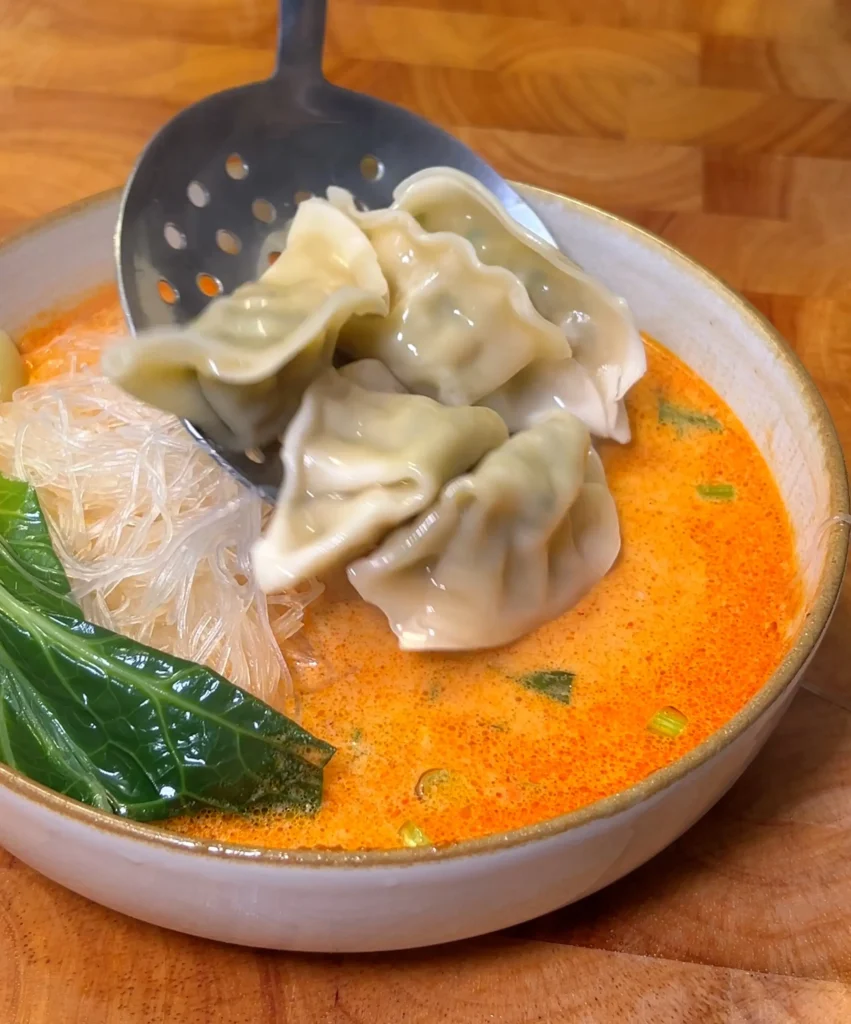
x,y
121,726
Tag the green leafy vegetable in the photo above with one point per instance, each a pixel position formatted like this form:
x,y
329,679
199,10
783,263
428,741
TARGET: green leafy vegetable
x,y
121,726
716,492
682,418
668,723
552,683
434,692
412,835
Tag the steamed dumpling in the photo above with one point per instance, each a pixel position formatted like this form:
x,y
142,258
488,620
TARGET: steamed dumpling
x,y
456,329
373,375
239,370
607,352
356,464
509,546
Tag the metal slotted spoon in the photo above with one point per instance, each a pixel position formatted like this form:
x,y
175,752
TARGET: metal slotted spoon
x,y
214,189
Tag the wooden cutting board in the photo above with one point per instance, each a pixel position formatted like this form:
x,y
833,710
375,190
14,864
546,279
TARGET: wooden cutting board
x,y
724,125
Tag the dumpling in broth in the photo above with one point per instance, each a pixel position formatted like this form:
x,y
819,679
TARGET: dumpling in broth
x,y
239,370
607,352
509,546
456,329
356,464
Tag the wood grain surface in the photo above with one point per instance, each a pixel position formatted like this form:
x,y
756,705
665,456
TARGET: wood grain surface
x,y
724,125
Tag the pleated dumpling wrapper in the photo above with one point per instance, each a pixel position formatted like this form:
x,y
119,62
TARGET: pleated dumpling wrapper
x,y
373,375
504,549
608,354
357,463
239,370
456,329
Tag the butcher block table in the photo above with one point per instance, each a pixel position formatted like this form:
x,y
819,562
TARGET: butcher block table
x,y
723,125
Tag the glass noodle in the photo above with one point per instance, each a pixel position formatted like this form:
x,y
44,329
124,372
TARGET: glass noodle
x,y
154,535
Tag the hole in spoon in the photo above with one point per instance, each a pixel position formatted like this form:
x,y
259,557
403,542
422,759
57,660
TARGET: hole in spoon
x,y
301,195
174,236
208,285
371,167
264,211
167,292
236,167
228,242
198,195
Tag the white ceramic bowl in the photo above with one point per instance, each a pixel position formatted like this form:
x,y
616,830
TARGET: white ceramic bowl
x,y
374,901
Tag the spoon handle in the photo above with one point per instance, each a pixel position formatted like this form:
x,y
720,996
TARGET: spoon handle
x,y
301,34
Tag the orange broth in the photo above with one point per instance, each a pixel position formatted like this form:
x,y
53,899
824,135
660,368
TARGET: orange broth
x,y
695,615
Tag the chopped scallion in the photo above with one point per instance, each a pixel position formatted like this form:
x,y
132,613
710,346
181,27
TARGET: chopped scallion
x,y
716,492
682,418
668,723
412,835
553,683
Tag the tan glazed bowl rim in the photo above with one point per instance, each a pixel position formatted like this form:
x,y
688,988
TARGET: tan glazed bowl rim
x,y
808,638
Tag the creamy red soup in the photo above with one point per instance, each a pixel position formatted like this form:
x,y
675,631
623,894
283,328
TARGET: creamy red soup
x,y
676,639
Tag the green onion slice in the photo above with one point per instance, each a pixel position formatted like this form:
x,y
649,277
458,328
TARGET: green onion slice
x,y
668,723
682,418
553,683
412,835
716,492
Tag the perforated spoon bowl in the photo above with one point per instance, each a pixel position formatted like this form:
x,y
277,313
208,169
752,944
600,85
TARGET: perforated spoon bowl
x,y
214,189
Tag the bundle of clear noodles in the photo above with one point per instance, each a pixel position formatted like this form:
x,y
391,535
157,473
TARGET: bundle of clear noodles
x,y
154,535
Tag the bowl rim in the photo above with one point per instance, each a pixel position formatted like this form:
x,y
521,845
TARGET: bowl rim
x,y
784,675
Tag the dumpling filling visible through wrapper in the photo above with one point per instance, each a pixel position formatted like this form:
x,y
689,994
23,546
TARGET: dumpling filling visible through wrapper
x,y
239,370
504,549
607,354
456,329
357,463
